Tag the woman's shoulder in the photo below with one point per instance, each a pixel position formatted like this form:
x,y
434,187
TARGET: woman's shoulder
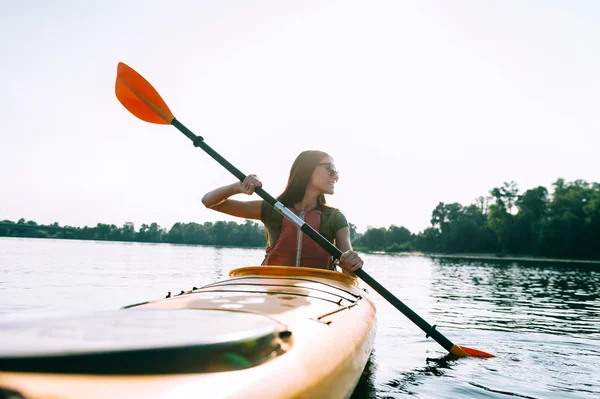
x,y
269,213
332,220
330,210
334,215
266,207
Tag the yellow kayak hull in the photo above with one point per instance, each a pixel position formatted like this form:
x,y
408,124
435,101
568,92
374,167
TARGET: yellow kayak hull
x,y
321,335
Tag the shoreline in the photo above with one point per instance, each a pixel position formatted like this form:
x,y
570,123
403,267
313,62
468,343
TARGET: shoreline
x,y
480,256
484,256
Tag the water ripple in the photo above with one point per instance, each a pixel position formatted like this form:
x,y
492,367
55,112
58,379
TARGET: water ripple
x,y
540,319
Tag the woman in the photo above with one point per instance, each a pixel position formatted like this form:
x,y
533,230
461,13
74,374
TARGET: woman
x,y
313,175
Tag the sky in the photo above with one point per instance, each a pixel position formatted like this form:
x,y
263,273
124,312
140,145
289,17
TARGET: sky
x,y
418,102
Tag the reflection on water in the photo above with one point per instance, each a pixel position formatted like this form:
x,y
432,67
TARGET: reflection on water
x,y
540,319
366,386
218,273
554,298
402,384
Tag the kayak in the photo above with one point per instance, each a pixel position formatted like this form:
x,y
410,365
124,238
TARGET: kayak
x,y
265,332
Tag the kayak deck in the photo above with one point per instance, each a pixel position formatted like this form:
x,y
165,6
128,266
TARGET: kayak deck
x,y
147,341
316,332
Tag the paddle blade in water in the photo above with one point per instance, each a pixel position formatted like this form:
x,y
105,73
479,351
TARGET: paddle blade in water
x,y
464,351
140,98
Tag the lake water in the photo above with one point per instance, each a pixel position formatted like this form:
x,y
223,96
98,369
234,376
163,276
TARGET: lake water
x,y
542,320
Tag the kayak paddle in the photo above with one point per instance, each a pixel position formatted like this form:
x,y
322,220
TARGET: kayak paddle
x,y
143,101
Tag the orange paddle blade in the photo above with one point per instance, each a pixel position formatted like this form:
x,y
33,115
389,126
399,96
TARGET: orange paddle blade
x,y
140,98
464,351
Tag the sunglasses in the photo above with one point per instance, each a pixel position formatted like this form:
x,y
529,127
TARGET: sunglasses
x,y
333,172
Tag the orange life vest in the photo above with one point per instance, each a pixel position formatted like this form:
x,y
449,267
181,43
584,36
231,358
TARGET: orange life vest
x,y
294,248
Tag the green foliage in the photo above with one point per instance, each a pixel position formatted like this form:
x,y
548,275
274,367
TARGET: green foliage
x,y
395,247
392,239
564,225
248,234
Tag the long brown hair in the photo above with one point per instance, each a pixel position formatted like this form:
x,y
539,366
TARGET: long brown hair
x,y
300,175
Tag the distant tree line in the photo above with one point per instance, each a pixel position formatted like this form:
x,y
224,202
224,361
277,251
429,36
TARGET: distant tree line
x,y
565,224
247,234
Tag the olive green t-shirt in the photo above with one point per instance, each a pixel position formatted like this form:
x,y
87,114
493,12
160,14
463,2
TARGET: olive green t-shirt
x,y
331,221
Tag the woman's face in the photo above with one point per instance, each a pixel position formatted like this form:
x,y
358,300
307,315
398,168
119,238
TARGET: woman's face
x,y
325,176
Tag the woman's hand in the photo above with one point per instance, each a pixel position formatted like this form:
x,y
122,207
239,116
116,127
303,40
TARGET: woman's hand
x,y
350,261
249,184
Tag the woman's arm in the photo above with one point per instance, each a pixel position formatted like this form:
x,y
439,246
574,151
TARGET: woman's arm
x,y
218,199
349,261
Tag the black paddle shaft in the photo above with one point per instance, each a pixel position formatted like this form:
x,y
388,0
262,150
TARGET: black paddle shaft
x,y
322,241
